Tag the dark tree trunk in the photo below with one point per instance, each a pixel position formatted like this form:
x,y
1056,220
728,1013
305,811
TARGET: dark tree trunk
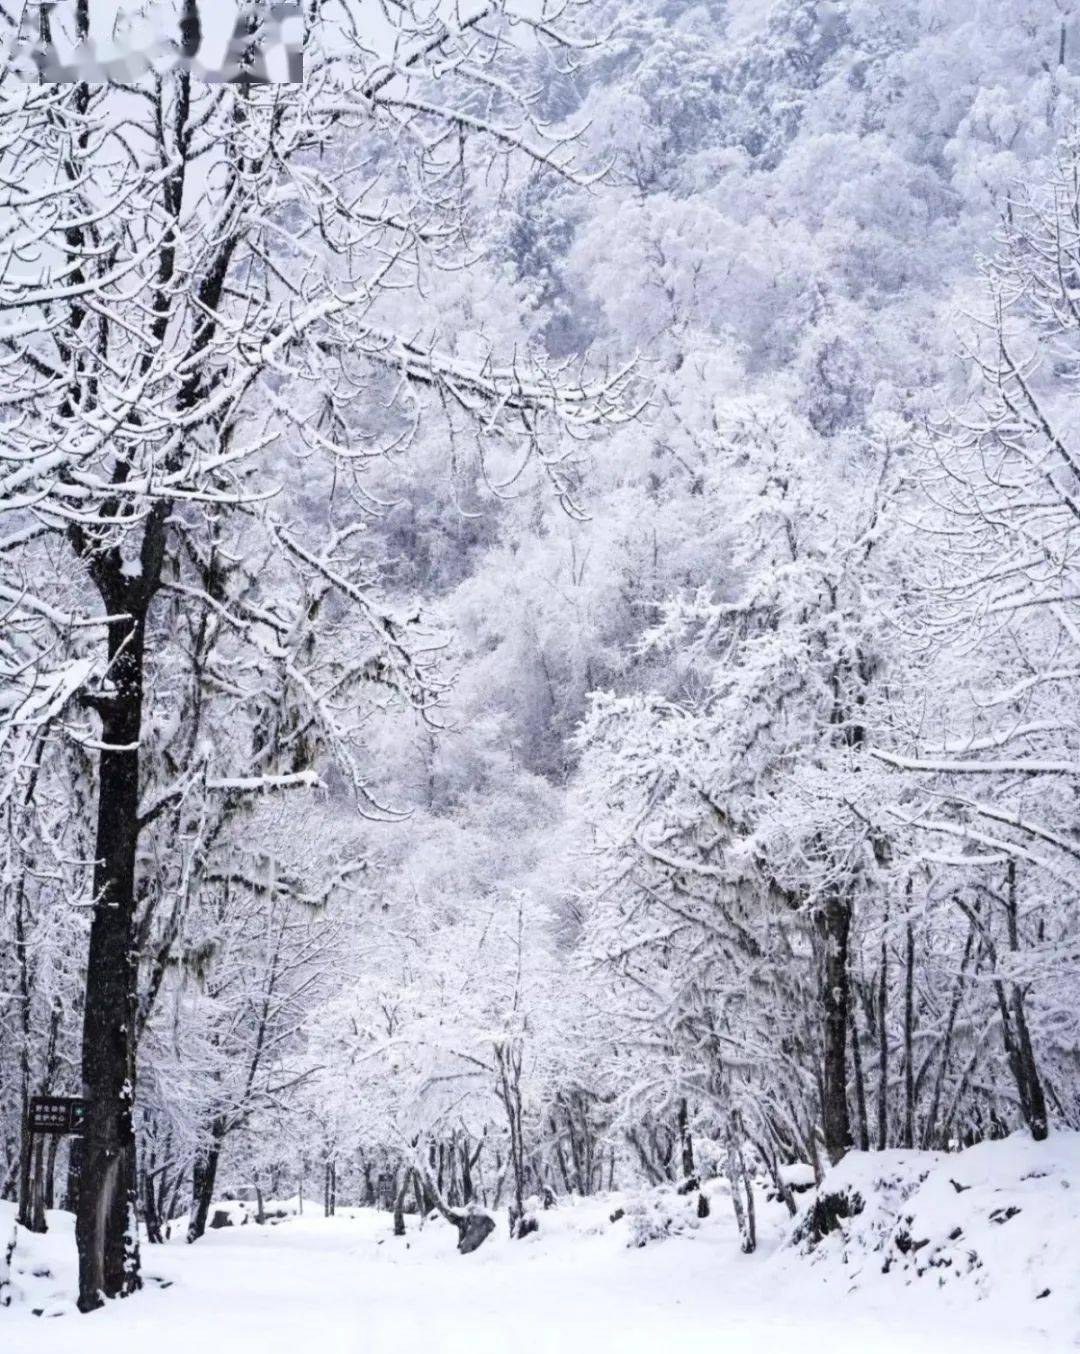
x,y
330,1202
784,1191
37,1188
260,1203
25,1213
150,1213
108,1249
686,1143
883,1049
834,927
399,1204
468,1165
1018,1046
203,1182
26,1216
909,1037
473,1224
74,1174
742,1192
860,1082
50,1172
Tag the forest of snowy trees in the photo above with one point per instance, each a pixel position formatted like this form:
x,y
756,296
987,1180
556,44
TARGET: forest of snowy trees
x,y
539,605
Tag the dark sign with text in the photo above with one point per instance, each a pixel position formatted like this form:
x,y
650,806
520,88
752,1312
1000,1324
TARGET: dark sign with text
x,y
57,1114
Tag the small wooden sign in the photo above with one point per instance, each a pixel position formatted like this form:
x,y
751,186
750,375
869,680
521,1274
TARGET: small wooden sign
x,y
57,1114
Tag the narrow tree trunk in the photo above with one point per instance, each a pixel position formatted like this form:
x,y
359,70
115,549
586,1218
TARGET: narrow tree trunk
x,y
330,1190
860,1083
687,1145
74,1174
150,1213
422,1194
783,1189
399,1204
204,1180
37,1187
1029,1084
909,1037
50,1171
25,1213
834,926
742,1193
26,1140
930,1124
883,1048
260,1204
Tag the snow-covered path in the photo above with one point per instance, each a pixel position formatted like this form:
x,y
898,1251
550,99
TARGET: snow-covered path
x,y
345,1286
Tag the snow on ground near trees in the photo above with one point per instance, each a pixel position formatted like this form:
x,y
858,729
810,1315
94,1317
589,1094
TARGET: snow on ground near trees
x,y
346,1284
999,1223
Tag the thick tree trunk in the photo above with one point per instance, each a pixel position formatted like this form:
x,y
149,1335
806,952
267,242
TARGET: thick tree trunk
x,y
105,1228
834,926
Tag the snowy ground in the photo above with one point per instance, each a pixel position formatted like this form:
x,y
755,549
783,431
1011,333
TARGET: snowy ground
x,y
330,1286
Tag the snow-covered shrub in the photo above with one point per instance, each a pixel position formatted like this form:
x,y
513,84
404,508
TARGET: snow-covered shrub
x,y
654,1215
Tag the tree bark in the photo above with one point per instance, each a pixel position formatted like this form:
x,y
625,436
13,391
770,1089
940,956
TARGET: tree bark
x,y
860,1082
399,1203
203,1181
883,1048
687,1144
834,928
104,1228
1021,1053
150,1213
742,1193
909,1037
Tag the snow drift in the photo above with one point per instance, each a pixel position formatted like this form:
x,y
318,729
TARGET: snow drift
x,y
997,1222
